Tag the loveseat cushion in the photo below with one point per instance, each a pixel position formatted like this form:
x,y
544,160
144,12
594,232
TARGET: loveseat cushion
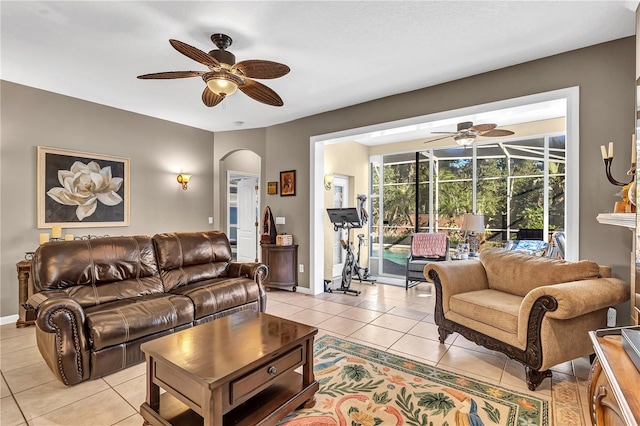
x,y
189,257
213,296
519,273
129,319
491,307
98,270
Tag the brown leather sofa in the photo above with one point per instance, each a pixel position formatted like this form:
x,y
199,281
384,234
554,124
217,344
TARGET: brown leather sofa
x,y
98,300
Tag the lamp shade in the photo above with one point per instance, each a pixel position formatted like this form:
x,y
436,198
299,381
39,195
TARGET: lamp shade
x,y
473,222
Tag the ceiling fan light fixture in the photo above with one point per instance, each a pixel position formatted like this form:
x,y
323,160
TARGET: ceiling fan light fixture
x,y
221,86
222,83
464,140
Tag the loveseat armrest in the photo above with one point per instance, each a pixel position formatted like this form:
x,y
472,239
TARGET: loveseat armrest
x,y
456,277
62,339
255,271
577,298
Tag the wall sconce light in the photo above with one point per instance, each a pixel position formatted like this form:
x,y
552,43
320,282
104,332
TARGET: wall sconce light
x,y
328,180
183,179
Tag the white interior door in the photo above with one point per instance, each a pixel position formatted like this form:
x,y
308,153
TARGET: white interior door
x,y
340,199
247,216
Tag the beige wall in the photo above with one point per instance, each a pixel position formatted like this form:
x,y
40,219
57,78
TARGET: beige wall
x,y
351,160
158,150
604,73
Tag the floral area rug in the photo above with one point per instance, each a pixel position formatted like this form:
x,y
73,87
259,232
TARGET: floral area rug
x,y
362,386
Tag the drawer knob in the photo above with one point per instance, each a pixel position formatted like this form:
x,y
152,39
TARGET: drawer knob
x,y
272,370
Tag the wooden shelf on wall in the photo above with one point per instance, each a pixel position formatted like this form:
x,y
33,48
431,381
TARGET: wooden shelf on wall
x,y
627,220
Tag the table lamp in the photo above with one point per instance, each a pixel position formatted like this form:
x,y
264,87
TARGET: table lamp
x,y
471,224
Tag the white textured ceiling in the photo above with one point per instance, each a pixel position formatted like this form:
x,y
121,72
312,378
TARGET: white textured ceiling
x,y
340,52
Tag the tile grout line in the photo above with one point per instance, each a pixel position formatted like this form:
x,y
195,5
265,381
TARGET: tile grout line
x,y
14,398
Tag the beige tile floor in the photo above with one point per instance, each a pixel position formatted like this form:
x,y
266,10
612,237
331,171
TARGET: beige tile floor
x,y
383,316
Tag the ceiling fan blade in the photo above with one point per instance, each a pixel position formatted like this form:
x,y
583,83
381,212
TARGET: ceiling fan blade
x,y
443,133
171,74
258,68
260,93
497,133
210,99
440,138
194,53
479,128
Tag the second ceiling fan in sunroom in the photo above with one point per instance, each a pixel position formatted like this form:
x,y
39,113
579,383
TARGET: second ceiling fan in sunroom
x,y
467,133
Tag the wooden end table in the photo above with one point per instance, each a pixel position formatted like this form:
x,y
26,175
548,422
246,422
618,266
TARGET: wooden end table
x,y
235,370
613,383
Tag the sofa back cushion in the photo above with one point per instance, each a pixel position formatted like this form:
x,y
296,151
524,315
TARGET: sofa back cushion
x,y
519,273
98,270
188,257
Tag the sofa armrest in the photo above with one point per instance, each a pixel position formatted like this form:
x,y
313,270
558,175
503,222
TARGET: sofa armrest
x,y
455,277
62,339
255,271
577,298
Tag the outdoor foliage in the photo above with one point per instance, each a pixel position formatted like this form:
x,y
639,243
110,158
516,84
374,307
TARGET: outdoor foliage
x,y
509,190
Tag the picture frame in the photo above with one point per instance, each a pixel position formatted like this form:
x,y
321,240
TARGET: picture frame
x,y
287,183
272,188
81,190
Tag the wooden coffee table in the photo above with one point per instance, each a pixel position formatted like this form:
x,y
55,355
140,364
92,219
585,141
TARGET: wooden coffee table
x,y
236,370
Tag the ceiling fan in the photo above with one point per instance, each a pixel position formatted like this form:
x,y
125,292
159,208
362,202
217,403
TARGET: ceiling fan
x,y
467,133
225,76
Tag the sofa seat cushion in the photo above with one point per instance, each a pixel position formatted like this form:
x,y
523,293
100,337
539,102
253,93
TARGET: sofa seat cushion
x,y
490,307
129,319
519,273
219,294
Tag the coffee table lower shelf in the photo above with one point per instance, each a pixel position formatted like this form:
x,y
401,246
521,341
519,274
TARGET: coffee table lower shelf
x,y
266,408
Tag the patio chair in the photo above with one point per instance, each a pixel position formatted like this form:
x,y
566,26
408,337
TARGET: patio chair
x,y
425,248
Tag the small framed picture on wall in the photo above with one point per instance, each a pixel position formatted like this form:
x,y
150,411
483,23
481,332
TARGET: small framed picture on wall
x,y
272,188
287,183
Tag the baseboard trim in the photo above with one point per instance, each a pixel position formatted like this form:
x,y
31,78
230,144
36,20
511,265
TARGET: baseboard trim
x,y
8,319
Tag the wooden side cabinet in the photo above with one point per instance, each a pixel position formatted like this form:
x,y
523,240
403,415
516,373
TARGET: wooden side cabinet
x,y
282,262
25,290
613,384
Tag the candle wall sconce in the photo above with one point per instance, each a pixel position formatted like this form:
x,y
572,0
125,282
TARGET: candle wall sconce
x,y
607,158
628,204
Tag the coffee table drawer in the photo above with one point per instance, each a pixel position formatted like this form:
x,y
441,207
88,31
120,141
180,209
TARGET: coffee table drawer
x,y
265,373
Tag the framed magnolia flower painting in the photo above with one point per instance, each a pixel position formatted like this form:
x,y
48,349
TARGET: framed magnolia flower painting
x,y
82,190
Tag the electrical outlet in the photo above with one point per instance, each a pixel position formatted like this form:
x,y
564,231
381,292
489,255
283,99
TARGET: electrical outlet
x,y
301,267
611,317
210,220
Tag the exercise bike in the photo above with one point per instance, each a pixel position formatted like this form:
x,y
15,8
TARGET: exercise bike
x,y
362,273
348,219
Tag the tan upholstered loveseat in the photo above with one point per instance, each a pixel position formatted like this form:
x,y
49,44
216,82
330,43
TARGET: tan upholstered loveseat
x,y
98,300
533,309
